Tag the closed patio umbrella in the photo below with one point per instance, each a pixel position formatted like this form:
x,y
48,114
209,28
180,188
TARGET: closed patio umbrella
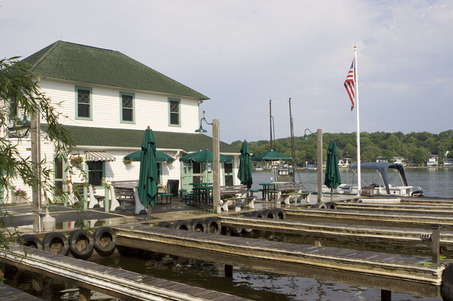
x,y
332,177
245,166
147,187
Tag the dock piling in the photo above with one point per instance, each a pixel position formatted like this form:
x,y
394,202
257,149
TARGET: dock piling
x,y
435,243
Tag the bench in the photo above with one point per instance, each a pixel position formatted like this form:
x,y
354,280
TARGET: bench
x,y
237,196
124,192
288,191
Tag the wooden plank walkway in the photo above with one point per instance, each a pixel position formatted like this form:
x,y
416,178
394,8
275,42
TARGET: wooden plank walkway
x,y
393,219
110,281
341,231
397,273
401,207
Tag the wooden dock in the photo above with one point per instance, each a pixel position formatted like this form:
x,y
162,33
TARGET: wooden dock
x,y
114,282
403,236
391,272
373,218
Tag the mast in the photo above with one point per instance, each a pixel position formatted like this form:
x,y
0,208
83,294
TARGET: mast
x,y
291,129
356,86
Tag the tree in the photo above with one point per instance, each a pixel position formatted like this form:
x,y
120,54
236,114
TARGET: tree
x,y
21,99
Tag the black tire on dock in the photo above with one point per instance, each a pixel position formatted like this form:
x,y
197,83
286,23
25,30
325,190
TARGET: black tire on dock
x,y
56,243
331,206
446,288
268,213
181,225
279,213
258,214
164,224
198,225
30,241
81,244
320,206
104,241
213,225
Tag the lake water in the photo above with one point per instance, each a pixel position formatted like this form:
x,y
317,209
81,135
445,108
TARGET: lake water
x,y
435,182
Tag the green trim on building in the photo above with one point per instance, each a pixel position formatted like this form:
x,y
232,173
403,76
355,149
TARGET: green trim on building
x,y
91,136
91,65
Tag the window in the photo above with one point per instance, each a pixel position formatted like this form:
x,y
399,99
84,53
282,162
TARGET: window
x,y
83,103
174,111
95,172
127,107
13,111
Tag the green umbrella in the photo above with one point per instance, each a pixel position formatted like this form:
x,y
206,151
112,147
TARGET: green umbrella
x,y
332,177
271,156
245,166
147,184
160,157
203,156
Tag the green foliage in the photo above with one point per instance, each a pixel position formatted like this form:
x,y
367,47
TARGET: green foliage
x,y
20,99
414,147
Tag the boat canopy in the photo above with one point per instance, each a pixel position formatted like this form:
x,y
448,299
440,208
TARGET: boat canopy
x,y
383,167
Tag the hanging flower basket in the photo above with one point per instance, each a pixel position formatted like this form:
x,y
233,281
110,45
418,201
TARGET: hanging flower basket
x,y
19,196
127,161
76,160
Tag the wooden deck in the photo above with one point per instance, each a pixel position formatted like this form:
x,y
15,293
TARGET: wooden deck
x,y
397,273
403,236
110,281
373,218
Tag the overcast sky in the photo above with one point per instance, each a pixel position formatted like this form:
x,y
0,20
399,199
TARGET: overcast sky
x,y
243,53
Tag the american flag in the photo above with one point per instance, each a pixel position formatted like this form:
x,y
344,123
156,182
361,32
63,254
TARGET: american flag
x,y
349,84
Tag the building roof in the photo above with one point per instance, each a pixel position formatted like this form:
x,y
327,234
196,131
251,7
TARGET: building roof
x,y
91,65
90,136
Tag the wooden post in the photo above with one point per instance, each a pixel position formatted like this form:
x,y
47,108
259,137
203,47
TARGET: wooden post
x,y
436,244
216,165
228,270
84,294
386,295
37,283
319,164
36,159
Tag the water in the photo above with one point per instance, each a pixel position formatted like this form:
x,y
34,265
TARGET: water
x,y
435,182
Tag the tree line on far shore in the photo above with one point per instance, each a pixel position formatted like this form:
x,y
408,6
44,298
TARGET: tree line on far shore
x,y
413,147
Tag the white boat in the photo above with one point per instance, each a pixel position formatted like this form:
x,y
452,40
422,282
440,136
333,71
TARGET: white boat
x,y
386,188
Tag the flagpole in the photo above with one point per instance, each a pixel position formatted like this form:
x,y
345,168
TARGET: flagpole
x,y
356,86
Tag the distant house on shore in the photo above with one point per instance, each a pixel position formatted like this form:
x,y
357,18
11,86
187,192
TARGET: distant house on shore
x,y
107,100
432,161
381,159
447,162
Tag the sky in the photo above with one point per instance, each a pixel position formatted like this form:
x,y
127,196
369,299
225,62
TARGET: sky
x,y
244,53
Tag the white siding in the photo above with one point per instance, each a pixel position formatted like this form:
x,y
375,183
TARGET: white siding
x,y
150,108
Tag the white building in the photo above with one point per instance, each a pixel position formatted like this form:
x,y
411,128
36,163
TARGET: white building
x,y
108,100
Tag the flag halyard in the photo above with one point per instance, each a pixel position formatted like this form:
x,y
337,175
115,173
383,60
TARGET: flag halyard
x,y
349,84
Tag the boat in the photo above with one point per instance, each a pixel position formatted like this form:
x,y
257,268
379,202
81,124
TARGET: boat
x,y
386,188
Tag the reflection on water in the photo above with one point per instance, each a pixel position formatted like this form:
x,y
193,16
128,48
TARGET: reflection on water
x,y
244,282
